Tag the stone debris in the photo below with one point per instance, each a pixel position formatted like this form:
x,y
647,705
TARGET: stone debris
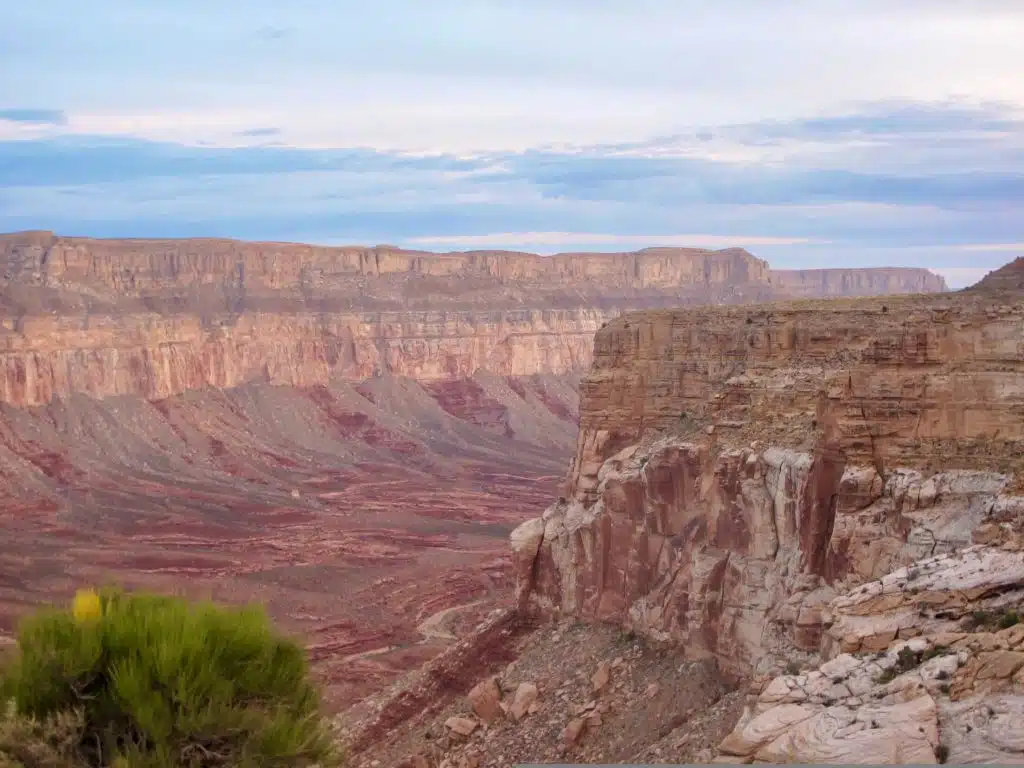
x,y
485,699
601,676
572,731
525,697
565,719
463,726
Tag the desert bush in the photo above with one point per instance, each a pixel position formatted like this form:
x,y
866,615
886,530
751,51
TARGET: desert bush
x,y
28,743
1009,619
162,682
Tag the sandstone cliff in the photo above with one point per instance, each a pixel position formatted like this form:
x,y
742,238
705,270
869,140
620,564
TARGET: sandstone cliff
x,y
739,468
855,282
154,318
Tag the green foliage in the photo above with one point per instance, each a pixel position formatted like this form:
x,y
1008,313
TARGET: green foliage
x,y
907,659
991,621
162,682
1009,619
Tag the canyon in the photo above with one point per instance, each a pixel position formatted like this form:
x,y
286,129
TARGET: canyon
x,y
347,435
819,500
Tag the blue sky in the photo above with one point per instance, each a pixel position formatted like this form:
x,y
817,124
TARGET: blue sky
x,y
812,132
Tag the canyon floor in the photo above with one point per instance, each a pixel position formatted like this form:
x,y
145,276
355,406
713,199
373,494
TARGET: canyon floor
x,y
372,519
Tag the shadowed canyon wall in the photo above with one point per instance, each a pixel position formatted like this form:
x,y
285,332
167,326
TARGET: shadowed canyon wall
x,y
155,318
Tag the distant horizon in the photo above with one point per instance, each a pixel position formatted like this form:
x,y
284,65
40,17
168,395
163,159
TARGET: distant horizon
x,y
817,133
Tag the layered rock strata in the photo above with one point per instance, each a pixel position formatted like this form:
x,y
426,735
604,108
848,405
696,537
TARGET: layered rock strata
x,y
737,469
155,318
951,690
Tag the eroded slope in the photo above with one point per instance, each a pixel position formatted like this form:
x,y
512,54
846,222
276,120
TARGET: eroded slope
x,y
356,513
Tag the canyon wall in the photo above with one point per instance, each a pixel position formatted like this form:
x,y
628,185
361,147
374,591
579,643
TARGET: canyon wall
x,y
737,468
156,356
154,318
811,283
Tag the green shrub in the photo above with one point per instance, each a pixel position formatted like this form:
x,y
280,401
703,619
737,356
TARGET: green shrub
x,y
161,682
1009,619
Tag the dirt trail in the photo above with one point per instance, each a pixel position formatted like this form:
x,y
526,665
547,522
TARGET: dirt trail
x,y
432,627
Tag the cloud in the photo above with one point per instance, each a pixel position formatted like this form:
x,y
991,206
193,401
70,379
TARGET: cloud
x,y
260,132
502,75
41,116
548,239
816,199
993,247
270,34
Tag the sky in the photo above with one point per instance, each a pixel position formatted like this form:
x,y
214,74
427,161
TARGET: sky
x,y
814,133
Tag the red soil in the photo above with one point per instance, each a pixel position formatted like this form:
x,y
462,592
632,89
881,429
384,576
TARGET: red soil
x,y
353,514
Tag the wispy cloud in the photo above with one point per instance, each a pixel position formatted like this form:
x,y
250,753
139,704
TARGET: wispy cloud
x,y
459,75
548,239
260,132
943,214
994,247
40,116
270,34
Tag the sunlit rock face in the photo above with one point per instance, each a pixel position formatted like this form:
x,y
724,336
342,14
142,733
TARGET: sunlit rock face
x,y
739,468
156,318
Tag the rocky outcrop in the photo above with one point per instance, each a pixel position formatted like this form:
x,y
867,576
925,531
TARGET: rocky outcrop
x,y
739,468
925,665
1008,278
155,318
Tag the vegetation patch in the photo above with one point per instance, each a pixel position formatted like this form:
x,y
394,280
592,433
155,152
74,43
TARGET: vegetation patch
x,y
989,621
908,659
152,682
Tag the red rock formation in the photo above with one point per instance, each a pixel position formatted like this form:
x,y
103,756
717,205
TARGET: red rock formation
x,y
155,318
736,466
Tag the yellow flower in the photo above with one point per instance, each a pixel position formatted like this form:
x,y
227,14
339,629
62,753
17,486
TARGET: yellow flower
x,y
87,605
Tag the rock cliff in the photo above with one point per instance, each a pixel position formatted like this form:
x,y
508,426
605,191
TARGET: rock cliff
x,y
739,468
810,283
154,318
